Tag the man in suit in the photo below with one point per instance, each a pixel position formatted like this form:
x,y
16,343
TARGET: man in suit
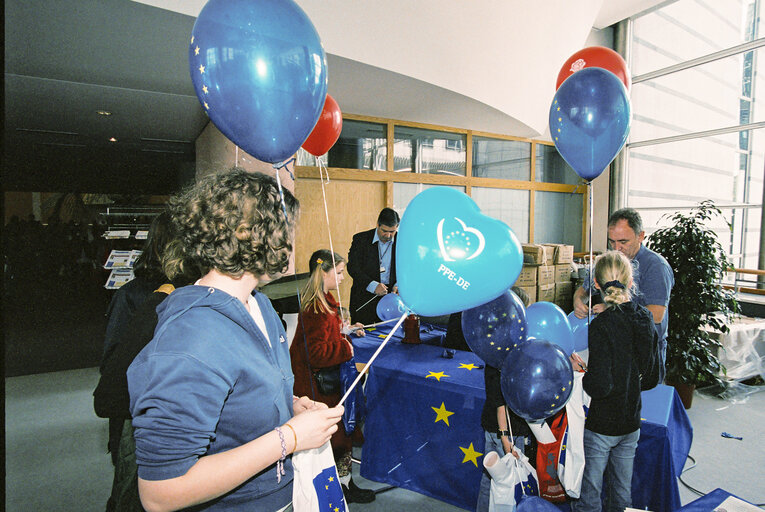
x,y
372,265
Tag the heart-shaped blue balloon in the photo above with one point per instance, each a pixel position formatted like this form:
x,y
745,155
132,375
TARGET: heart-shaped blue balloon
x,y
450,257
260,72
590,119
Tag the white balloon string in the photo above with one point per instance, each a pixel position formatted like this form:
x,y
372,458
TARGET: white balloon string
x,y
323,169
236,156
372,359
590,276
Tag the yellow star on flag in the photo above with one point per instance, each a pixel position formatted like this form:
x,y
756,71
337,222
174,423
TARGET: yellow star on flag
x,y
204,89
436,376
332,479
196,50
470,454
207,106
201,69
442,414
470,366
192,39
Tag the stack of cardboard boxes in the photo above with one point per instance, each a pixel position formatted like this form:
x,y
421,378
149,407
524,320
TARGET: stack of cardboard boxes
x,y
546,274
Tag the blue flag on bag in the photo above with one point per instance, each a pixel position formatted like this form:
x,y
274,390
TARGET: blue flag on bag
x,y
317,487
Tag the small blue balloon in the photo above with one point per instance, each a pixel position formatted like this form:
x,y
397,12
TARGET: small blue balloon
x,y
535,504
450,257
491,330
590,119
547,321
536,379
260,72
390,307
580,327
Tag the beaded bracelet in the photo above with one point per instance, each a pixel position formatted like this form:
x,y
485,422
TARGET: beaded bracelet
x,y
294,434
280,462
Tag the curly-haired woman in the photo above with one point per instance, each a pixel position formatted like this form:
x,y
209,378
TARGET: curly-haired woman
x,y
211,394
319,343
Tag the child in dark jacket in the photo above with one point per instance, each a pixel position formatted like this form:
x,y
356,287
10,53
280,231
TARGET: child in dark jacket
x,y
612,427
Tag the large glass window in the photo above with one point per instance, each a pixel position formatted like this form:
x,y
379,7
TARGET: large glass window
x,y
362,145
551,168
669,175
429,151
685,30
505,159
508,205
558,218
403,193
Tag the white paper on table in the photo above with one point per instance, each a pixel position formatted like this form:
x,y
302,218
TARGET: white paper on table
x,y
733,504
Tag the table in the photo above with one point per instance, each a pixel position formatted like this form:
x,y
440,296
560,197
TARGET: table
x,y
708,502
423,427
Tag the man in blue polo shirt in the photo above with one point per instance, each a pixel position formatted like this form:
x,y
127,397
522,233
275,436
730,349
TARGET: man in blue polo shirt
x,y
653,275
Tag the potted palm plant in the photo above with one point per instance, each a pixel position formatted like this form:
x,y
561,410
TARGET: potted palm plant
x,y
698,300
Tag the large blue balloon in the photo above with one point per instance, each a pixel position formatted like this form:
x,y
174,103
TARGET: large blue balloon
x,y
589,120
536,379
535,504
260,72
547,321
450,257
580,327
493,329
390,306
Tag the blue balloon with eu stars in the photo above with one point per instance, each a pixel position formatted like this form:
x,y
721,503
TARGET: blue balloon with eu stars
x,y
536,379
491,330
260,73
590,119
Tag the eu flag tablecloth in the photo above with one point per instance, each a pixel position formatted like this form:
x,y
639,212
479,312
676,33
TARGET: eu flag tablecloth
x,y
423,427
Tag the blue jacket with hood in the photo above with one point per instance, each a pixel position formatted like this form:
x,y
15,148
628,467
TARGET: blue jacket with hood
x,y
209,381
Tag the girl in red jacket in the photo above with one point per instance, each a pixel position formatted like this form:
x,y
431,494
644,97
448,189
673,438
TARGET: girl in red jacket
x,y
320,344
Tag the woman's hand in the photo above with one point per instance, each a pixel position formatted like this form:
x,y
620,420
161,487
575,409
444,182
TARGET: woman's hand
x,y
315,427
304,403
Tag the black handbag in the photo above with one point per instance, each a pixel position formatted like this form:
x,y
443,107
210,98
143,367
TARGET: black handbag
x,y
328,380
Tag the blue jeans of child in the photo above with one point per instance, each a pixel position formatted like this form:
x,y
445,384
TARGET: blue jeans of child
x,y
493,444
611,457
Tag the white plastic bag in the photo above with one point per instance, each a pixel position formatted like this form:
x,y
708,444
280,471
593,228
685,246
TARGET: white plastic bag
x,y
510,479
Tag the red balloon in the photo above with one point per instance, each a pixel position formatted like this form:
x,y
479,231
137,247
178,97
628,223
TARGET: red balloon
x,y
327,129
596,57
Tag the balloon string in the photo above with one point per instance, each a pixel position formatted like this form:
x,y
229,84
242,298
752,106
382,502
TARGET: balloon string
x,y
297,288
371,359
236,156
590,275
284,165
516,462
329,233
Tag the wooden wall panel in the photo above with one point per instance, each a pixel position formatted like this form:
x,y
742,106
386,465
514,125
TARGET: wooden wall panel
x,y
353,206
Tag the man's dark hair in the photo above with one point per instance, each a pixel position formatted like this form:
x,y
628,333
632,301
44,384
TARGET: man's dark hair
x,y
631,216
388,217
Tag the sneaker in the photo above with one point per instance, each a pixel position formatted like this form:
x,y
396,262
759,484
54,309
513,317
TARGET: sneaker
x,y
354,494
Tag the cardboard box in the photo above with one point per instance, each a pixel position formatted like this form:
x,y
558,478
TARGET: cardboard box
x,y
545,292
528,277
563,273
531,291
562,253
537,254
545,275
564,291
